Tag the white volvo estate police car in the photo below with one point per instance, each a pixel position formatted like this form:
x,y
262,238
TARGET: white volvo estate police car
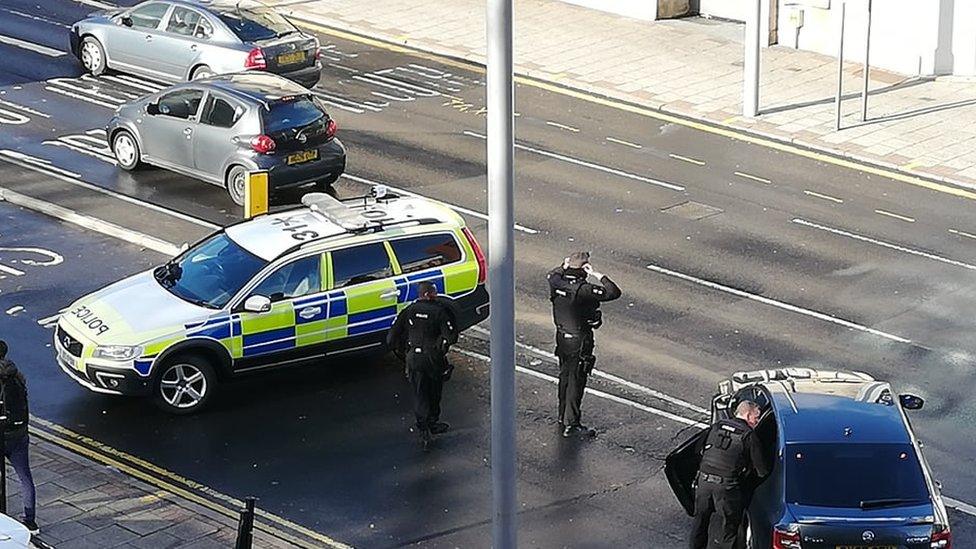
x,y
325,278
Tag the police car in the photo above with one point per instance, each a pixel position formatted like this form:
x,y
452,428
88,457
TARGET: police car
x,y
325,278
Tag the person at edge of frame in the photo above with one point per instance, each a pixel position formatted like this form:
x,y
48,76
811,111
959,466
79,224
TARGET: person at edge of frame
x,y
576,313
14,415
422,334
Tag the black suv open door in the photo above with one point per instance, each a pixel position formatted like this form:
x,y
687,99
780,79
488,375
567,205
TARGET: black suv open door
x,y
681,468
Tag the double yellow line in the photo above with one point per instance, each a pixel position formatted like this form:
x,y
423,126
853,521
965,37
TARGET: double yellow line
x,y
178,486
721,129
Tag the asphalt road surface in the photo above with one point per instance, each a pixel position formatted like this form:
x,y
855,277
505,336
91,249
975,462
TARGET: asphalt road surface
x,y
731,255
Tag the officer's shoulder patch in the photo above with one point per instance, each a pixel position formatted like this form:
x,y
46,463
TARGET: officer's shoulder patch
x,y
561,292
730,428
420,315
598,291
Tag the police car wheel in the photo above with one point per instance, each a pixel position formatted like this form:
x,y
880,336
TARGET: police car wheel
x,y
184,385
235,182
126,150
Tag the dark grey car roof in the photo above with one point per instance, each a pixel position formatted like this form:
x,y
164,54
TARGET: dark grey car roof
x,y
257,86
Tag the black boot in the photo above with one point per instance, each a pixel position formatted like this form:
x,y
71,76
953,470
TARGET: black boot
x,y
439,427
581,431
425,439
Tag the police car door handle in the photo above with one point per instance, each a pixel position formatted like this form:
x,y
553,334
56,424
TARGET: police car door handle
x,y
390,294
309,312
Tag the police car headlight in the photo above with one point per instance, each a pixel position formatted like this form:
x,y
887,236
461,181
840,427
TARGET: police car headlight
x,y
117,352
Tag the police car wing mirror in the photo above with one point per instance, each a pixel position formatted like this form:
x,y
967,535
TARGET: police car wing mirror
x,y
911,402
257,304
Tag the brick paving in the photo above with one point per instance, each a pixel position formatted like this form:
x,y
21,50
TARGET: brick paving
x,y
82,504
693,67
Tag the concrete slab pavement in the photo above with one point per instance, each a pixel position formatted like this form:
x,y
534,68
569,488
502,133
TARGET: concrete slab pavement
x,y
693,67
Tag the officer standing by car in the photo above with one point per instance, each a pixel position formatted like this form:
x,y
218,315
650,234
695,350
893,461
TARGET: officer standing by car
x,y
576,313
14,415
422,334
730,455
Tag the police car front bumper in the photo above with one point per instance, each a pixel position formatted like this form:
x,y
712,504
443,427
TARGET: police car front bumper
x,y
117,379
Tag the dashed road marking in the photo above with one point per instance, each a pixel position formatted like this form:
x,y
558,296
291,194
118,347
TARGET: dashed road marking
x,y
10,270
753,177
624,143
687,159
962,233
587,164
895,216
23,108
882,243
778,304
562,126
37,48
833,199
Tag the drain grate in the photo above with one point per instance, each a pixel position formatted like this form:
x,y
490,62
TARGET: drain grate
x,y
692,210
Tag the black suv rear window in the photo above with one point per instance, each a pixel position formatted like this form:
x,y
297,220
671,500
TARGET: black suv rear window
x,y
254,24
854,475
425,252
287,115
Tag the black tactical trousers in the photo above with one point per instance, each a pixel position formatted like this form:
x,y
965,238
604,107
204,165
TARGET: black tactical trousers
x,y
726,500
427,391
575,353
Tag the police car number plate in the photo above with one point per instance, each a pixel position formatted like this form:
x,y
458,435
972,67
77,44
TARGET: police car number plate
x,y
304,156
291,58
65,358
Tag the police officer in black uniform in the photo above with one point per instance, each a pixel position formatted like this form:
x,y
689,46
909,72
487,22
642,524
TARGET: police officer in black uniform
x,y
731,455
576,313
422,334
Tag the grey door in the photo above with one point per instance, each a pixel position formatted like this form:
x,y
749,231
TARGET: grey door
x,y
130,44
167,136
213,137
176,46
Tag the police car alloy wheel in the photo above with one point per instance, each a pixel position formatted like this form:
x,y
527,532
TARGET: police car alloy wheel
x,y
92,56
184,384
126,150
236,180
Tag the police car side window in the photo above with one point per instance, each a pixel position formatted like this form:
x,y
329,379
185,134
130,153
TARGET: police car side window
x,y
425,252
296,279
360,264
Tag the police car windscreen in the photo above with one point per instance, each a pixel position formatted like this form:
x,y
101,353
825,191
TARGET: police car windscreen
x,y
854,475
211,273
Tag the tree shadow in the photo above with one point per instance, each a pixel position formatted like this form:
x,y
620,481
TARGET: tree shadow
x,y
904,84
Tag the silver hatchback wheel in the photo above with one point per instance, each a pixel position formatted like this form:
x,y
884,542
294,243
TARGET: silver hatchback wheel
x,y
183,386
126,150
236,181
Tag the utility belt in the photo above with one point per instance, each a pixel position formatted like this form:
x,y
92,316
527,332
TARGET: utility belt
x,y
718,479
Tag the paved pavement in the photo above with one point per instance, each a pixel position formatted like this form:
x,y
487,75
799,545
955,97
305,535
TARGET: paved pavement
x,y
693,67
85,505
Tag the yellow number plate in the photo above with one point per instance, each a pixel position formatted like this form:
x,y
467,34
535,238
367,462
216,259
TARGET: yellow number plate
x,y
304,156
291,58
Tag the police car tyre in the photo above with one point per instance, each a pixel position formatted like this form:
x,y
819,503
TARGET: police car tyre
x,y
235,182
184,384
125,148
92,56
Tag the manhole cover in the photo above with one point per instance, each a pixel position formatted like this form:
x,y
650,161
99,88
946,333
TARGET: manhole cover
x,y
692,210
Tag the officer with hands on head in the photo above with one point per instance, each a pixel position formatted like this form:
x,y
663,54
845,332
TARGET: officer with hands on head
x,y
731,455
422,334
576,313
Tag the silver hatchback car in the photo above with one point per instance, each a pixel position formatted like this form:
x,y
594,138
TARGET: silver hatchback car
x,y
179,40
219,128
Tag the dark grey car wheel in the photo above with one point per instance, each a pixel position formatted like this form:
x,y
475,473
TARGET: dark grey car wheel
x,y
235,182
93,56
126,150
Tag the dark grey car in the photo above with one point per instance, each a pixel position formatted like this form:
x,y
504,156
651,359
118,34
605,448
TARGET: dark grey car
x,y
178,40
219,128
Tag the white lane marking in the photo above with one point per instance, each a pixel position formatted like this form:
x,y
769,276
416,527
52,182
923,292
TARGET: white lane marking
x,y
39,165
896,216
344,68
594,392
608,376
461,209
80,96
53,258
833,199
49,320
962,233
403,98
624,143
12,118
137,82
10,270
562,126
884,244
586,164
97,4
687,159
15,309
394,84
44,50
88,222
778,304
753,177
36,18
961,506
138,85
20,107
